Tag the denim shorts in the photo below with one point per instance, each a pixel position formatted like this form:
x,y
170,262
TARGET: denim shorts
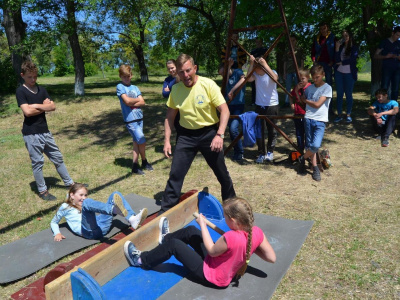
x,y
136,131
314,134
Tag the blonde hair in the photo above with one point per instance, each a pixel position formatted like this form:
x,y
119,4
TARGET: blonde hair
x,y
240,210
304,72
73,189
125,70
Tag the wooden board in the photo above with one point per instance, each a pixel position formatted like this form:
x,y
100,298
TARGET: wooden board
x,y
110,262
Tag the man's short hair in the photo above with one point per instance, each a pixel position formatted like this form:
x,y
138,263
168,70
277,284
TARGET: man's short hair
x,y
323,23
381,92
182,59
396,29
317,69
28,66
125,70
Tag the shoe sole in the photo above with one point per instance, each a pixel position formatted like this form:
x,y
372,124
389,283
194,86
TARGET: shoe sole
x,y
126,252
118,202
143,217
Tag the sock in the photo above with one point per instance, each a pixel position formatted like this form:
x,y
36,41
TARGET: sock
x,y
144,162
135,167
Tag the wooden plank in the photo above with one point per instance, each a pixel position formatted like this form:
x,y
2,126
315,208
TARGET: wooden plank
x,y
110,262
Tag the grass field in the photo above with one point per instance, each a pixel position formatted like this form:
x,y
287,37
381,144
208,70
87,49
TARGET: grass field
x,y
352,251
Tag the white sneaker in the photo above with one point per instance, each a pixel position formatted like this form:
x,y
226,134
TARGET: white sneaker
x,y
270,156
164,229
260,159
138,219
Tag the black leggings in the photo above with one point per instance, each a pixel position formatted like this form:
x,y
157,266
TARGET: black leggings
x,y
177,244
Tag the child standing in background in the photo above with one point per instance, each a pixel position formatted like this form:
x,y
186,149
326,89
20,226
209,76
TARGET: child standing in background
x,y
131,101
317,98
80,213
298,107
34,102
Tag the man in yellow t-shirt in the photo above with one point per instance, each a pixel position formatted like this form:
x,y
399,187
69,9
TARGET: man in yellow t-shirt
x,y
197,99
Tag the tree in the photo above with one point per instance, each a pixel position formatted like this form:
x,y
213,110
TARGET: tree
x,y
15,29
61,14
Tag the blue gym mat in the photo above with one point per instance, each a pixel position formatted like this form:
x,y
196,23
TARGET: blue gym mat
x,y
167,280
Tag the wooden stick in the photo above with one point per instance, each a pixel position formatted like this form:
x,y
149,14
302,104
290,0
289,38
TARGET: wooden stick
x,y
211,225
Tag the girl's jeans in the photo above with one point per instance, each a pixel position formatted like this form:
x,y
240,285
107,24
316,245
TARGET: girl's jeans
x,y
234,125
96,226
344,85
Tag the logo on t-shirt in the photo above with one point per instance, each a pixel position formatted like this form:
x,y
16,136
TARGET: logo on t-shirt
x,y
131,94
199,100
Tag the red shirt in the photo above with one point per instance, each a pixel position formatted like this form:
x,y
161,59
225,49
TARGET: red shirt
x,y
298,106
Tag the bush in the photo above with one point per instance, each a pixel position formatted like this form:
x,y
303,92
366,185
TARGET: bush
x,y
91,69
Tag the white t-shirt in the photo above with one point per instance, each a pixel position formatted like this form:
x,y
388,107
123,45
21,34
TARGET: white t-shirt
x,y
266,93
313,93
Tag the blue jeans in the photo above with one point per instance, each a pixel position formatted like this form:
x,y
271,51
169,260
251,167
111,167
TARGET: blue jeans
x,y
96,226
40,143
391,76
300,131
328,72
314,134
233,125
344,85
136,131
290,78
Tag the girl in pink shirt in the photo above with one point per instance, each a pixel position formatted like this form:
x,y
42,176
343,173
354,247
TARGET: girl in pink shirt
x,y
209,263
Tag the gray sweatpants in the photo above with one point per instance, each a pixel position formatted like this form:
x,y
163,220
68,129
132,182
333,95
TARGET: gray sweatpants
x,y
37,144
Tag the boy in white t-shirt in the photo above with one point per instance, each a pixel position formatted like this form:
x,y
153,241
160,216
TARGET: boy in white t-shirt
x,y
317,98
267,103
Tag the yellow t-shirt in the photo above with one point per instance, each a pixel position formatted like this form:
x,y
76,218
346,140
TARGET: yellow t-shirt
x,y
198,104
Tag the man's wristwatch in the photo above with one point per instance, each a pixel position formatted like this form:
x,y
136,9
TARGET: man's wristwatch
x,y
221,135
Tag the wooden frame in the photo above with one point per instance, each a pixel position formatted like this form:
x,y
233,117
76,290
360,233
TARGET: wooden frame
x,y
110,262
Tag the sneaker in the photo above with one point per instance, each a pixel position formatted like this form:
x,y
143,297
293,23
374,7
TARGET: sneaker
x,y
316,174
136,170
337,120
120,204
237,156
269,157
260,159
302,165
164,229
138,219
132,254
147,166
47,196
385,142
349,119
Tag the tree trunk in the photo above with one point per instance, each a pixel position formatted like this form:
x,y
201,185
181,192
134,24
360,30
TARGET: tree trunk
x,y
15,29
79,65
144,77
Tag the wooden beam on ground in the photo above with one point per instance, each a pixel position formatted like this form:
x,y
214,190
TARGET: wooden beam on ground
x,y
110,262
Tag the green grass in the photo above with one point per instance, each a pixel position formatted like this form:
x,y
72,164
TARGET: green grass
x,y
352,250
